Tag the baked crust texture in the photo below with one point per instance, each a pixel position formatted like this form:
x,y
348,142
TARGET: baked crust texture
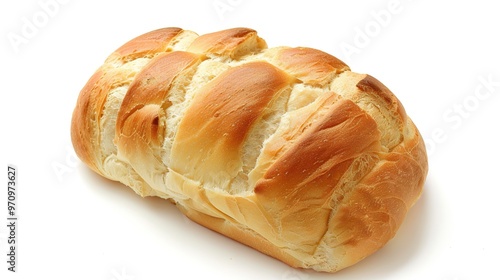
x,y
283,149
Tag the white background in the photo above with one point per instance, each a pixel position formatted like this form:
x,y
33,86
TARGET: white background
x,y
72,224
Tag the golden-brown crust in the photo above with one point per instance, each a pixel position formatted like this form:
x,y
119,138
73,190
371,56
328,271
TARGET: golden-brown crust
x,y
311,66
145,45
285,149
91,101
139,132
82,122
211,133
377,206
308,173
372,85
152,84
228,42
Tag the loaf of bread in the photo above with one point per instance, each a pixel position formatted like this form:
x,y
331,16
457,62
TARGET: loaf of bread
x,y
282,149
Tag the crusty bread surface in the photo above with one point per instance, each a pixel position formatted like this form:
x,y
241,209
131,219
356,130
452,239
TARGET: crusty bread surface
x,y
283,149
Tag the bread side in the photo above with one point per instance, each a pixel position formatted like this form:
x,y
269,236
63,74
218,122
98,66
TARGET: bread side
x,y
283,149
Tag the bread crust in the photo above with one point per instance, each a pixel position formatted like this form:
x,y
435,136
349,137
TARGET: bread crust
x,y
283,149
